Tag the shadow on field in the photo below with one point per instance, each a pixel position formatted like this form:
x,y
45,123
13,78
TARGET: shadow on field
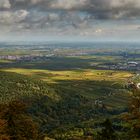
x,y
109,92
55,63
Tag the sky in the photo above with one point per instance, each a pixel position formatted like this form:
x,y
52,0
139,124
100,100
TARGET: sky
x,y
96,20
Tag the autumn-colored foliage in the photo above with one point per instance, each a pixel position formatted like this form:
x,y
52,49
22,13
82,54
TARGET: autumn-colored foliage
x,y
15,123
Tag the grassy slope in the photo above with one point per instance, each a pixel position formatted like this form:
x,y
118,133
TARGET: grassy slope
x,y
14,86
92,84
65,99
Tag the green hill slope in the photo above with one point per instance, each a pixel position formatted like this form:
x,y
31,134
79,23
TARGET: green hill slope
x,y
13,86
64,106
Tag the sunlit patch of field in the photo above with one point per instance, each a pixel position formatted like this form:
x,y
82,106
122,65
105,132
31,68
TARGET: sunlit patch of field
x,y
96,57
5,61
92,84
87,74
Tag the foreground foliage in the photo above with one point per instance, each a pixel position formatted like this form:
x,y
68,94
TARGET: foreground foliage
x,y
16,124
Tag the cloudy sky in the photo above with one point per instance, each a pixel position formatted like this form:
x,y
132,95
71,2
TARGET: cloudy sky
x,y
60,19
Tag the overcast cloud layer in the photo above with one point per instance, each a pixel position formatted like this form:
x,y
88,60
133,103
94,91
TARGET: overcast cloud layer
x,y
94,18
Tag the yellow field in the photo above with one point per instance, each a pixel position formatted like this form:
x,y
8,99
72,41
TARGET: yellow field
x,y
88,74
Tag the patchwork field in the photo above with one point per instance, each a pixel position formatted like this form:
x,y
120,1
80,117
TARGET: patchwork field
x,y
85,74
107,86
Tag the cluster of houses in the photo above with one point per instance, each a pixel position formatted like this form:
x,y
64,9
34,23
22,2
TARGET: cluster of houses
x,y
25,57
130,65
9,57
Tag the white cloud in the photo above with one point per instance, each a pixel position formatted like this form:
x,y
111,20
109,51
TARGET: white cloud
x,y
5,4
20,15
8,17
98,31
68,4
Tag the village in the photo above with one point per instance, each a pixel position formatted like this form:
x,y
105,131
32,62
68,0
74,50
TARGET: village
x,y
128,66
25,57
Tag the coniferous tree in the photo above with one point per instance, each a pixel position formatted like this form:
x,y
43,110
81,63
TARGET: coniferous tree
x,y
107,132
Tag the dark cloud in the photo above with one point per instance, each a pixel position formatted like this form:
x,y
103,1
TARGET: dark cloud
x,y
65,16
113,9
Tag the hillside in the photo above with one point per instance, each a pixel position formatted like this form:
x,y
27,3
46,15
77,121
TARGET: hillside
x,y
65,107
13,86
